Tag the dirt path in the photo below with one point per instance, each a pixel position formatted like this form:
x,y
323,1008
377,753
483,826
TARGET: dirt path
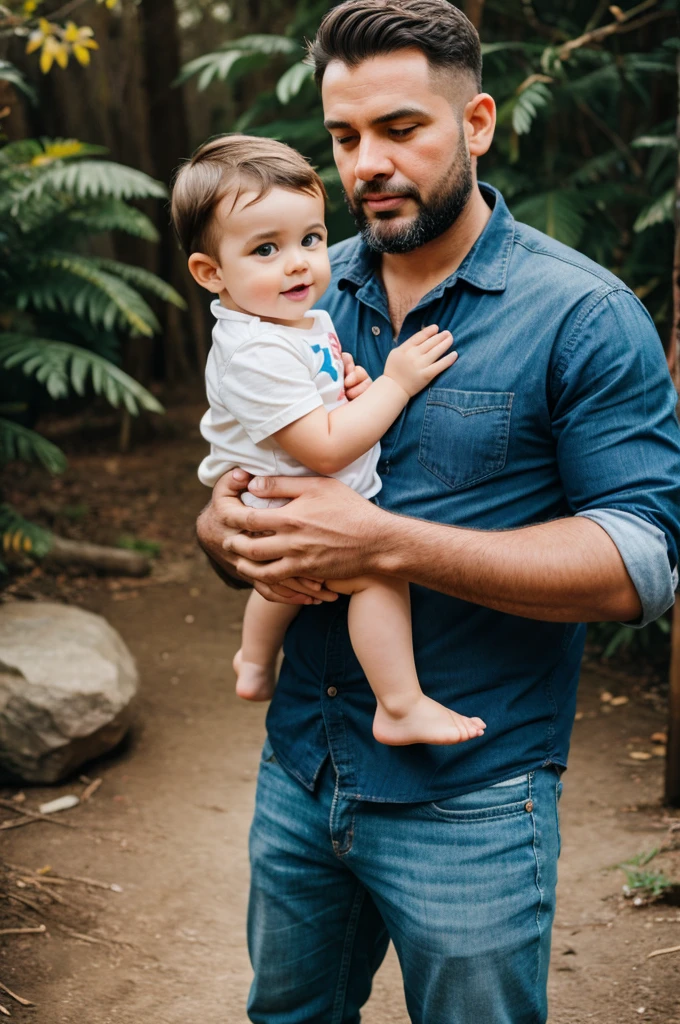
x,y
169,825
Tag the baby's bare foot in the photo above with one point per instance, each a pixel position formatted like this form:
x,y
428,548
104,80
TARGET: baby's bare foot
x,y
253,682
425,721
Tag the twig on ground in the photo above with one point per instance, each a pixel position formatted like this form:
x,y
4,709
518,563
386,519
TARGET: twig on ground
x,y
40,930
34,814
58,879
17,823
13,995
90,790
5,1011
662,952
26,901
93,938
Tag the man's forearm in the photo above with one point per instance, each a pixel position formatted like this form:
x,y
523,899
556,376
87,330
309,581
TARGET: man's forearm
x,y
568,570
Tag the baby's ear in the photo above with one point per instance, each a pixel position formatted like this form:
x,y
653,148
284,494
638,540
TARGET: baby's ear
x,y
206,272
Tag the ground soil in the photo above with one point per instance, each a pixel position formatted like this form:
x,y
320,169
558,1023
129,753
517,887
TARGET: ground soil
x,y
168,824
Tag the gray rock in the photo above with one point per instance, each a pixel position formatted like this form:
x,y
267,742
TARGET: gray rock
x,y
67,682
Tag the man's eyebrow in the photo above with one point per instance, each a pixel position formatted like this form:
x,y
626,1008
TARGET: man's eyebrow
x,y
393,115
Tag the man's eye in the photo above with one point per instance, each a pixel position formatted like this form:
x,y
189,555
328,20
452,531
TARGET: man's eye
x,y
401,133
313,238
344,139
266,249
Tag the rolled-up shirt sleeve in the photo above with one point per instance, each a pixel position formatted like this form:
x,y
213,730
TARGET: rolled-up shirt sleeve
x,y
618,440
642,547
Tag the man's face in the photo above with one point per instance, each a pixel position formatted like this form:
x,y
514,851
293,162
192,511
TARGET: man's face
x,y
400,147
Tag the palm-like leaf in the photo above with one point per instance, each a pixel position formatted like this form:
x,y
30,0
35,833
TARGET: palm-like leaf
x,y
88,178
21,444
10,73
63,368
144,279
19,537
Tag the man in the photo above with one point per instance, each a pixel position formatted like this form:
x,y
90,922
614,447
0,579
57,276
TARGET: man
x,y
536,486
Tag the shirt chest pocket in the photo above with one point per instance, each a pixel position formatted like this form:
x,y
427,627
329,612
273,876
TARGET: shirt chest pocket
x,y
464,438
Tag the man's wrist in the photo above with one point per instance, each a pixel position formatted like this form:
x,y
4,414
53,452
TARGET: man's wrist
x,y
390,546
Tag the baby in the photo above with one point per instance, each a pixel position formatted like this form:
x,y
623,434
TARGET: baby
x,y
249,213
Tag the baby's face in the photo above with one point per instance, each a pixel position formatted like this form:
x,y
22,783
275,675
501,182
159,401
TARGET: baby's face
x,y
272,254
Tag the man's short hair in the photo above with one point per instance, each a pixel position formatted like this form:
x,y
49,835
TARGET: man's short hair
x,y
239,163
359,29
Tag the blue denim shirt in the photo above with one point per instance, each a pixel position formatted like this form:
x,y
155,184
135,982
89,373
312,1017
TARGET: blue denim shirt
x,y
560,404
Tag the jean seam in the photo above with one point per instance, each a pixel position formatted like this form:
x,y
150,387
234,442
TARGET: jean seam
x,y
538,881
345,960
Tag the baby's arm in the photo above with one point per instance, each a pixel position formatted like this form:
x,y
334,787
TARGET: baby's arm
x,y
327,442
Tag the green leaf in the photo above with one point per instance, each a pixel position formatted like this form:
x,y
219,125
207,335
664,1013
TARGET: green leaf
x,y
10,73
559,214
291,81
527,105
90,178
658,212
68,367
144,279
20,443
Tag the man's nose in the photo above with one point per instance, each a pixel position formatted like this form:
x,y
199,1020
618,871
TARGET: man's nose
x,y
373,160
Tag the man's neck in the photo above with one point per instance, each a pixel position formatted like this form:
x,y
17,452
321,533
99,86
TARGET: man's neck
x,y
409,276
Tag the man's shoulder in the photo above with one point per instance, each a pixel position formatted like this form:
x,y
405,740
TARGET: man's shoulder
x,y
561,267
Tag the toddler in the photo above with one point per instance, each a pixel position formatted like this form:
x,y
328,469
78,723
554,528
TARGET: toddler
x,y
250,215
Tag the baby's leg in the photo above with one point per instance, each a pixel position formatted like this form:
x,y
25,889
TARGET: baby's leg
x,y
380,630
264,627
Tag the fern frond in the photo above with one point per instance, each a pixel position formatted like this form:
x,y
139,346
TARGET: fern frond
x,y
19,537
141,278
63,368
10,73
657,212
111,215
522,108
89,178
21,444
558,214
293,80
76,284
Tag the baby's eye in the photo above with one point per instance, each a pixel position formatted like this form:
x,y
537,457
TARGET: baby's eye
x,y
266,249
313,238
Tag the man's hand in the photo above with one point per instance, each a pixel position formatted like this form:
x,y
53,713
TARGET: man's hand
x,y
219,522
356,379
326,531
415,363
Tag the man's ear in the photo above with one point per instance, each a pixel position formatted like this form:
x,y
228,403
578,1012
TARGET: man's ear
x,y
480,122
206,272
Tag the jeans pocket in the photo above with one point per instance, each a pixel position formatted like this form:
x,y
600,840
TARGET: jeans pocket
x,y
497,801
268,755
464,437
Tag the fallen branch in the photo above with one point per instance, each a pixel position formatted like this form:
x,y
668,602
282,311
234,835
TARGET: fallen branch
x,y
24,931
5,1011
118,561
36,815
13,995
54,879
92,938
662,952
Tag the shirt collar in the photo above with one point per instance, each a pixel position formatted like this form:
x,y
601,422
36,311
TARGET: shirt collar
x,y
485,266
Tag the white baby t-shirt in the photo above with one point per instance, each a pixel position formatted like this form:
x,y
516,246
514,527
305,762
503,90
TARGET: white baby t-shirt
x,y
260,377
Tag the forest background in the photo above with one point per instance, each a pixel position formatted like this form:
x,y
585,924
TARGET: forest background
x,y
101,101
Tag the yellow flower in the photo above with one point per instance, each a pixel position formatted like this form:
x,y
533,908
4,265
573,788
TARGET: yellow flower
x,y
80,41
53,49
37,38
56,151
109,3
29,7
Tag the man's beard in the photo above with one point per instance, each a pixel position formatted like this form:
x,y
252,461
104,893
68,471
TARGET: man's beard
x,y
449,198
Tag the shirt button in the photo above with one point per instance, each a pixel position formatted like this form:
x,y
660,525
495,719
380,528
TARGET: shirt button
x,y
529,805
375,330
332,691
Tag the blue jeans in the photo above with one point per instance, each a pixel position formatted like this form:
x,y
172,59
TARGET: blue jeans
x,y
464,887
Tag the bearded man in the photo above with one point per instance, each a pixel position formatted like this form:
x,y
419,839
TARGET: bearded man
x,y
533,488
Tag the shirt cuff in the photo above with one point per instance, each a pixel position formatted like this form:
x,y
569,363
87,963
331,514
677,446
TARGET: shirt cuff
x,y
642,547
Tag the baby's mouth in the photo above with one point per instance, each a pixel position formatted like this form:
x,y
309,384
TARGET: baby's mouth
x,y
298,292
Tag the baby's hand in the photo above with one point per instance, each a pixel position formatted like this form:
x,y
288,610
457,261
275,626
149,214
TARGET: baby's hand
x,y
418,361
356,379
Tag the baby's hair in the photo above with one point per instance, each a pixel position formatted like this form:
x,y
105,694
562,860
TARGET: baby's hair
x,y
238,163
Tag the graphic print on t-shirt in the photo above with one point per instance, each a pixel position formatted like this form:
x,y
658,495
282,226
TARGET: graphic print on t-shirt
x,y
332,362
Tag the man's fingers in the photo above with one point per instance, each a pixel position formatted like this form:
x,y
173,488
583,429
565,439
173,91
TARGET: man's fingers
x,y
277,594
257,549
232,484
282,487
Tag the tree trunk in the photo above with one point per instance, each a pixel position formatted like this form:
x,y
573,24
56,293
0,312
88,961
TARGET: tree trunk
x,y
672,787
169,144
474,9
